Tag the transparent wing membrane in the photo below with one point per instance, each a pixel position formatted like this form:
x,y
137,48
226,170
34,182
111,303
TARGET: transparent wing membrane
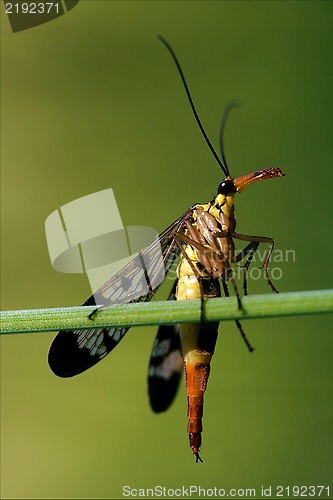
x,y
73,352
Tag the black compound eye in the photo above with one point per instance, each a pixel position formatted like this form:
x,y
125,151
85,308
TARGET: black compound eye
x,y
226,187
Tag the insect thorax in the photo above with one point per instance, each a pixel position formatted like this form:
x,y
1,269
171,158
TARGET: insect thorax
x,y
221,208
222,204
206,255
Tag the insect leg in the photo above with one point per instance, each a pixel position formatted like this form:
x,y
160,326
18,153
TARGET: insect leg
x,y
238,323
251,248
260,239
92,314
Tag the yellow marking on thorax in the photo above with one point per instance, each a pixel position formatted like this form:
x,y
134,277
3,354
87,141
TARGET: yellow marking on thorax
x,y
221,203
224,203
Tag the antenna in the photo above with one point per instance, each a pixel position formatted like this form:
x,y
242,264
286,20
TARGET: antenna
x,y
221,163
232,104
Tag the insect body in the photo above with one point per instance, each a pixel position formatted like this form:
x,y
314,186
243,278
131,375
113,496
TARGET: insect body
x,y
208,232
204,238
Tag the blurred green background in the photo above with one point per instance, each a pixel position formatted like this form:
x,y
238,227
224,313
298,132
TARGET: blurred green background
x,y
92,100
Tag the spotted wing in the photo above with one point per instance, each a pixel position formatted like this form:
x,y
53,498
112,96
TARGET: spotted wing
x,y
165,365
73,352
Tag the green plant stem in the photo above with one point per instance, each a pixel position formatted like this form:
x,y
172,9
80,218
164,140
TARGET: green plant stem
x,y
169,312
